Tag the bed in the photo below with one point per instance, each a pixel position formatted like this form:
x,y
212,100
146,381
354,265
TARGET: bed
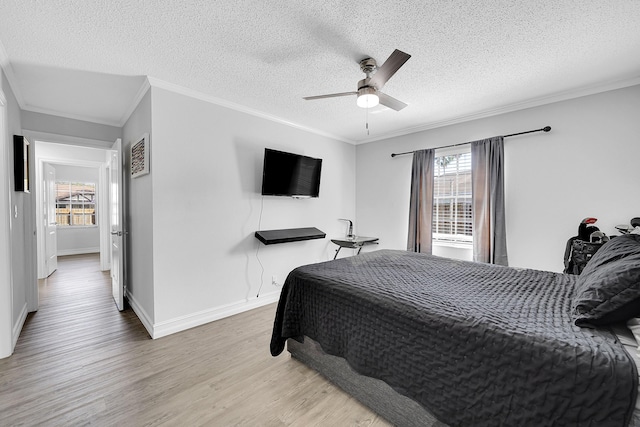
x,y
449,342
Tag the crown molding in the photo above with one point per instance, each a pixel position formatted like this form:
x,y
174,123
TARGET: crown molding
x,y
154,82
550,99
144,87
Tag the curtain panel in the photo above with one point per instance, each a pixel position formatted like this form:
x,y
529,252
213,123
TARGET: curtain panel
x,y
421,202
487,174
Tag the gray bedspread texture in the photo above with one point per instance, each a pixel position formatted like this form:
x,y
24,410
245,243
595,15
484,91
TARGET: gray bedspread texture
x,y
475,344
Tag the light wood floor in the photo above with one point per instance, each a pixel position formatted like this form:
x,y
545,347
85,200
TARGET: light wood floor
x,y
79,361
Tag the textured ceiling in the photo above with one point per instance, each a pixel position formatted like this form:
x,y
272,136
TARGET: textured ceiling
x,y
88,59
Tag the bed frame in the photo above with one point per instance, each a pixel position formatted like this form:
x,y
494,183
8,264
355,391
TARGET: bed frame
x,y
373,393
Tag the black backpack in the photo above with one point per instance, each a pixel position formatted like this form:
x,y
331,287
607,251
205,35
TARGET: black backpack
x,y
581,248
578,253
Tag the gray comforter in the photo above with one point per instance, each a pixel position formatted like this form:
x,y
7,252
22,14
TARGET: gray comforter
x,y
475,344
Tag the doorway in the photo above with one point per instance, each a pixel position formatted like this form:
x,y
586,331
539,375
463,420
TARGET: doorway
x,y
70,163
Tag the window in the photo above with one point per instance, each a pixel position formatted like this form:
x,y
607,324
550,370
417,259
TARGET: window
x,y
75,204
452,201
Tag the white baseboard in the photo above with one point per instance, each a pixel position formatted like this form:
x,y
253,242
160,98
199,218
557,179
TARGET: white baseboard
x,y
17,328
142,315
189,321
78,251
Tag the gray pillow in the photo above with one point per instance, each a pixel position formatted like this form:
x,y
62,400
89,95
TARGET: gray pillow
x,y
608,290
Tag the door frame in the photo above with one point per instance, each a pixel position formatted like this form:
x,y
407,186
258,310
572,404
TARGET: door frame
x,y
7,340
38,218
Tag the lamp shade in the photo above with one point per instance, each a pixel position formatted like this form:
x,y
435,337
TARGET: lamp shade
x,y
367,97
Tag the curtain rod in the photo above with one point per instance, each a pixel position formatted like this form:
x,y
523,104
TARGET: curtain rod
x,y
544,129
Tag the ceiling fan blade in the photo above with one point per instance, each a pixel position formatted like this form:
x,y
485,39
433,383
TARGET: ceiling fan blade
x,y
389,68
391,102
331,95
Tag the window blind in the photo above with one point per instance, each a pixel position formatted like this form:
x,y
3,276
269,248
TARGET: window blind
x,y
452,201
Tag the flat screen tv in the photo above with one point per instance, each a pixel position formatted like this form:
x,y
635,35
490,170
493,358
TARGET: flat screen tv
x,y
288,174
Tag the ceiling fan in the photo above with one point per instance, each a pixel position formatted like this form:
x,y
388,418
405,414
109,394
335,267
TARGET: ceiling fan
x,y
368,92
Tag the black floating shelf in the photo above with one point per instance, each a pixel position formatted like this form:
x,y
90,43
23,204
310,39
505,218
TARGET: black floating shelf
x,y
270,237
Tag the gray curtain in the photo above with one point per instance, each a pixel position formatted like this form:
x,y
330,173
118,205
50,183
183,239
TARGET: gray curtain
x,y
421,203
489,231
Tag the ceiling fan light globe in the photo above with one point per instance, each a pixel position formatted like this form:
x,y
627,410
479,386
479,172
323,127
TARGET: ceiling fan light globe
x,y
367,100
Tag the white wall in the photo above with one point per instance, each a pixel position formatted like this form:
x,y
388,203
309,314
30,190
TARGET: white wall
x,y
139,221
586,166
46,123
16,250
78,240
206,171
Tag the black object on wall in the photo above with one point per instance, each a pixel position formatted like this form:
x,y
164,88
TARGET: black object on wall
x,y
288,174
270,237
21,153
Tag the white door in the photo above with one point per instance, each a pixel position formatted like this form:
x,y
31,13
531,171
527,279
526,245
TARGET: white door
x,y
50,226
116,223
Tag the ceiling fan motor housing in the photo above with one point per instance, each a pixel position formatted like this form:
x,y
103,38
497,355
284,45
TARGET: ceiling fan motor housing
x,y
364,83
367,90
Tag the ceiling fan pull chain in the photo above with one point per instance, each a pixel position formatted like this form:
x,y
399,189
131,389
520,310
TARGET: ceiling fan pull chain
x,y
367,121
